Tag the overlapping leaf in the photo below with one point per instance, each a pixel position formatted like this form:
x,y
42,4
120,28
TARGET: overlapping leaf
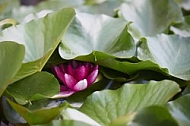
x,y
153,116
37,86
182,29
150,17
180,110
107,7
39,116
11,56
40,38
73,114
125,66
104,106
168,51
96,32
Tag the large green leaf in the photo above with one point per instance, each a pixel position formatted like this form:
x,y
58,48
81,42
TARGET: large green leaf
x,y
11,56
73,114
95,32
122,120
40,38
107,7
34,87
153,116
180,110
150,17
128,66
57,4
104,106
168,51
39,116
182,29
11,9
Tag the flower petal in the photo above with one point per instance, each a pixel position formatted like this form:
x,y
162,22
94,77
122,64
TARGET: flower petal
x,y
61,67
92,77
81,85
70,70
64,88
63,94
81,73
69,81
58,72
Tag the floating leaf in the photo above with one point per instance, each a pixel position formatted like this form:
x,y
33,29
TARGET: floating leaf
x,y
90,32
150,17
73,114
179,109
104,106
122,120
182,29
40,38
153,116
37,86
127,66
39,116
168,51
107,7
11,56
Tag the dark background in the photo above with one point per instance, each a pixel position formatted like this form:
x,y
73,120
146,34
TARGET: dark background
x,y
30,2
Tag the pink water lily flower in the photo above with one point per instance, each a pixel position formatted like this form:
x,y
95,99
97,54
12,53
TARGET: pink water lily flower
x,y
75,76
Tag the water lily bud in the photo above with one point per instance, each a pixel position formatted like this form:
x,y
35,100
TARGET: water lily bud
x,y
75,76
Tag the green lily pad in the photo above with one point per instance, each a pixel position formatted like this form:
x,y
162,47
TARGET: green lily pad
x,y
127,66
168,51
105,106
11,57
122,120
37,86
39,116
88,33
153,116
40,38
179,109
73,114
183,28
107,7
150,17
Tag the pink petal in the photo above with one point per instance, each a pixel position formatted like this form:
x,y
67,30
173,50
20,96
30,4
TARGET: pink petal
x,y
61,67
81,85
95,68
64,88
81,73
63,94
70,70
88,66
69,81
74,64
54,69
58,73
92,77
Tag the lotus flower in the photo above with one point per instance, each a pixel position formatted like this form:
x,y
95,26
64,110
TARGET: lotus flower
x,y
75,76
